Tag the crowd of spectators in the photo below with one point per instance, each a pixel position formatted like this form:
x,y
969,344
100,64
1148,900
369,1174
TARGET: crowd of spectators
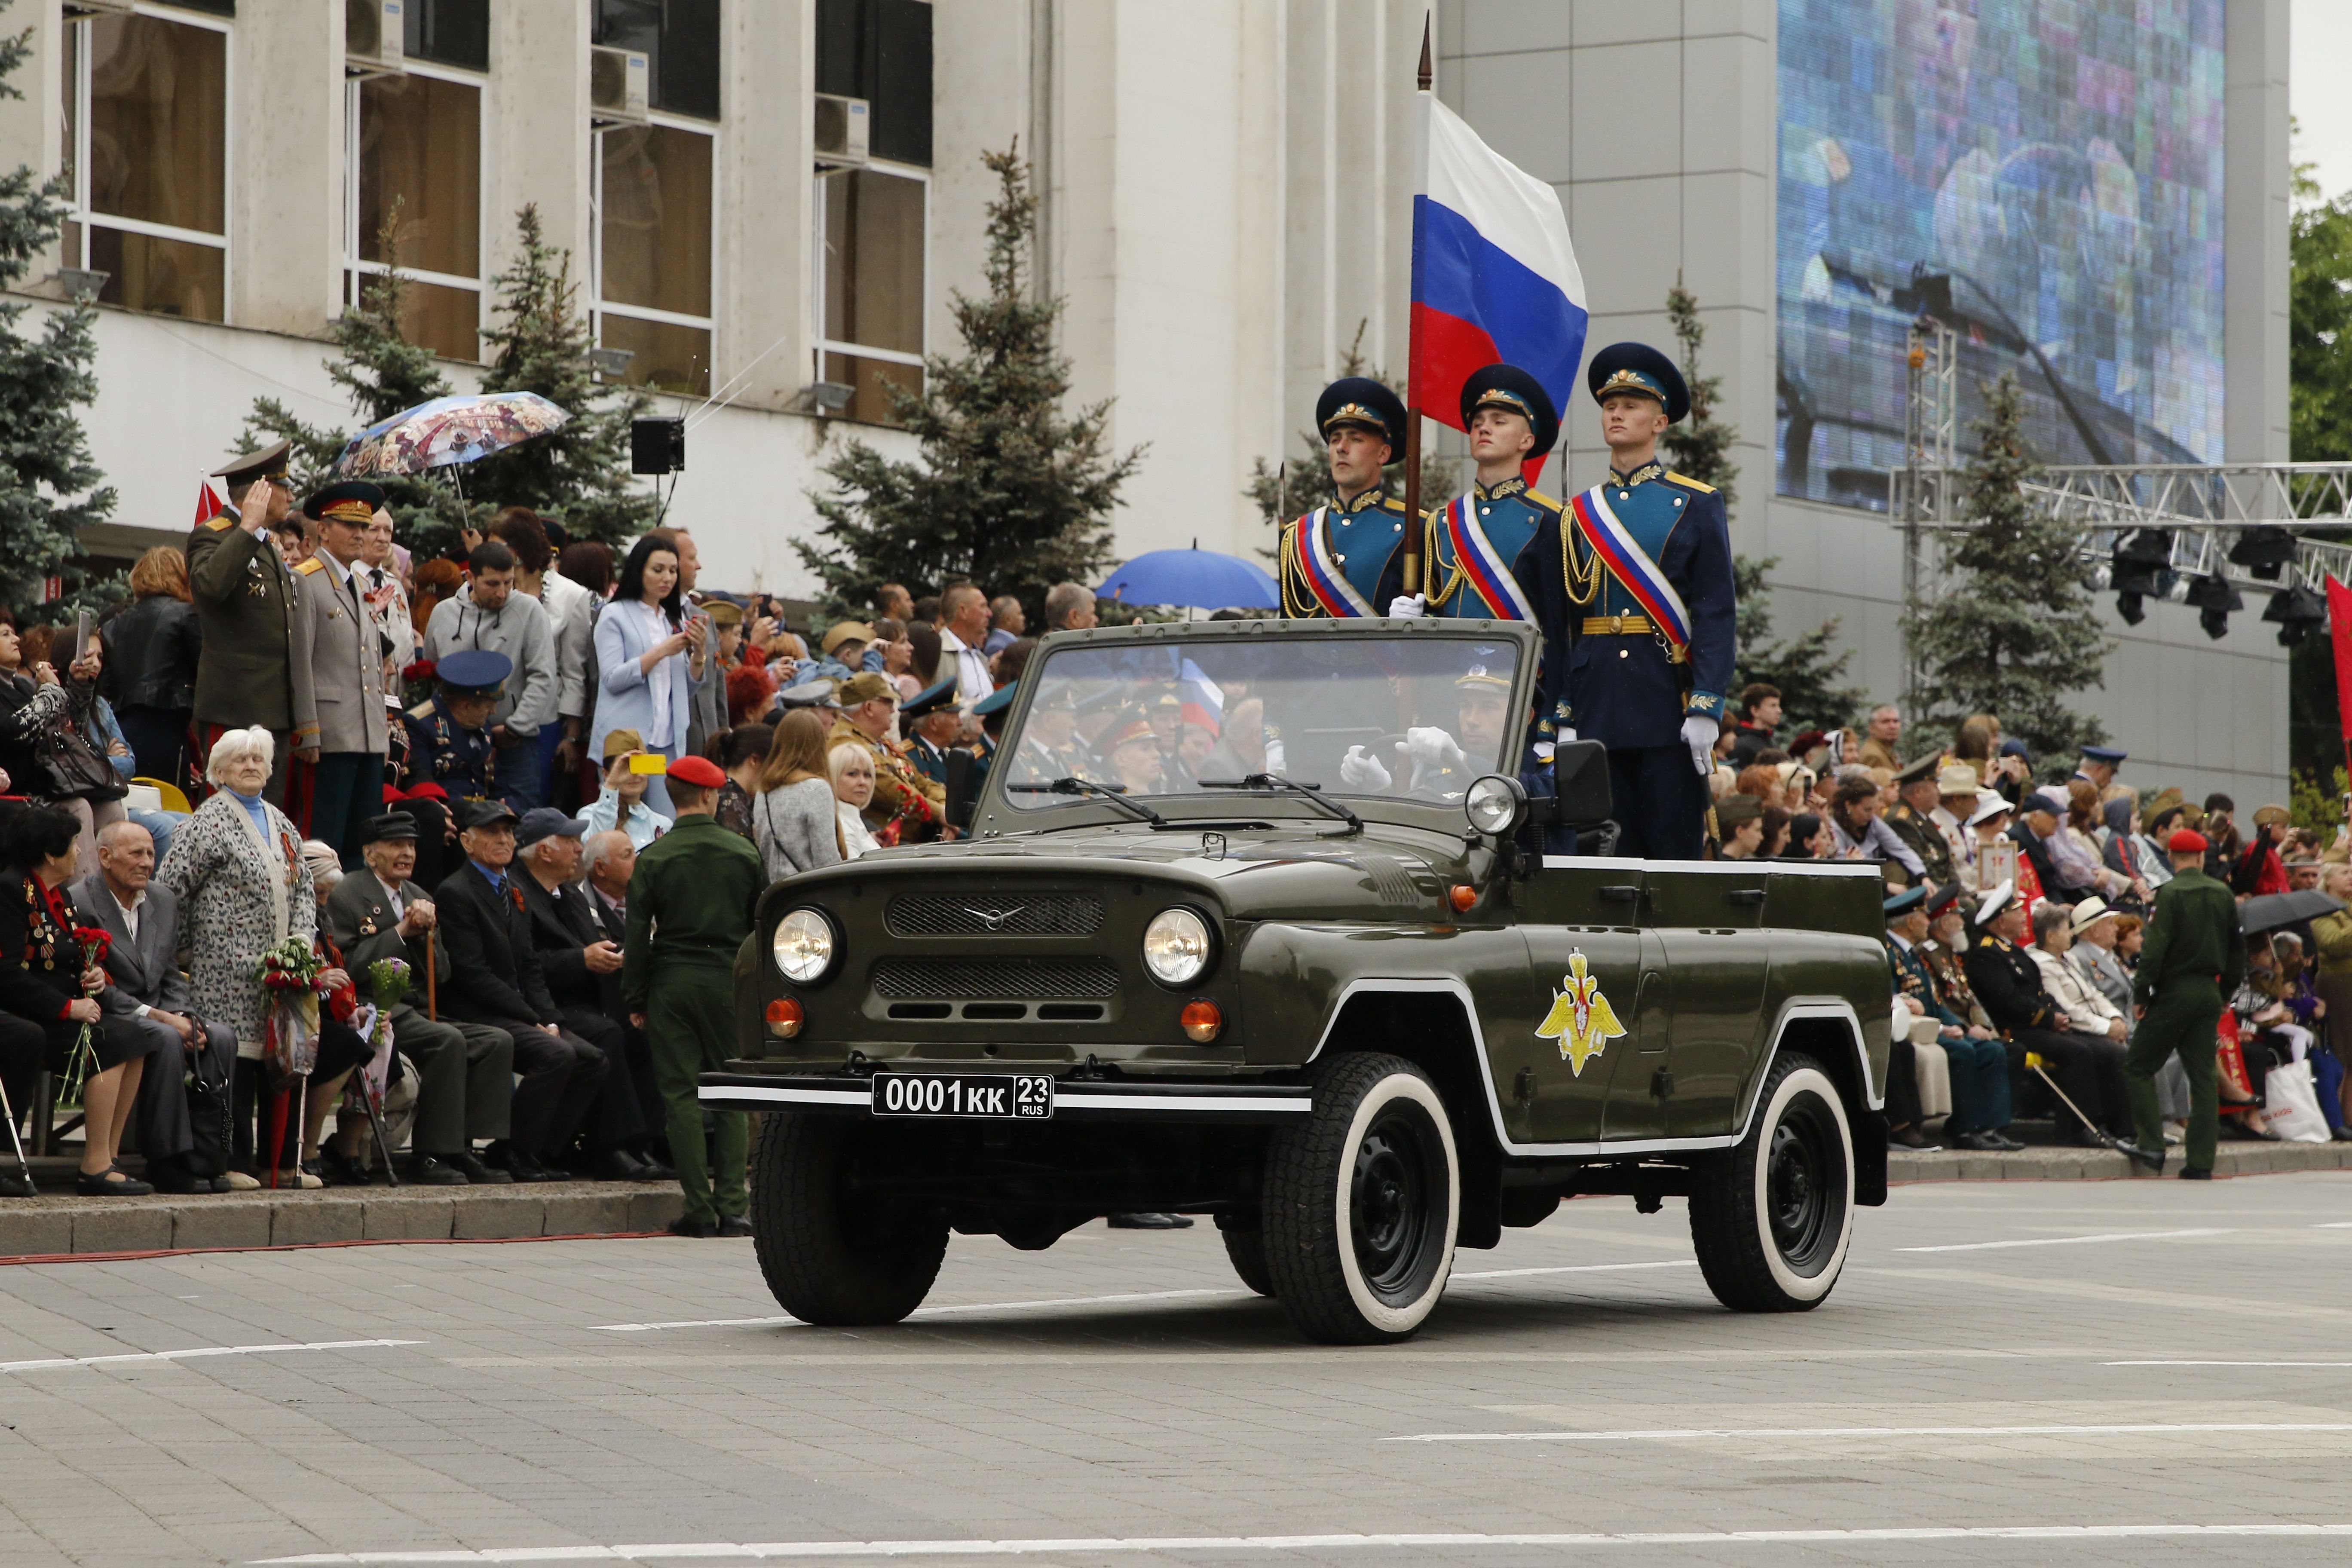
x,y
452,763
2015,909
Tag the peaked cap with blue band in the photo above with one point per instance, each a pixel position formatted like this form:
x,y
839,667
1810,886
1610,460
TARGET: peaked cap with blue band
x,y
1638,368
1507,386
1360,401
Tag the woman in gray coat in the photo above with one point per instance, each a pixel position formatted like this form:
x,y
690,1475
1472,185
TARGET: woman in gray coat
x,y
792,820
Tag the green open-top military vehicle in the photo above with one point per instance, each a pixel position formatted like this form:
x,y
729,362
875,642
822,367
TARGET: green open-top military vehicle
x,y
1251,920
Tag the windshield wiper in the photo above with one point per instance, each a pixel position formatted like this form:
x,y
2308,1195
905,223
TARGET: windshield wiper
x,y
1115,794
1306,791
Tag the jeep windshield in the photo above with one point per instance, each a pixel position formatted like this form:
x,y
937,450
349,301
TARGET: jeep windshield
x,y
1414,717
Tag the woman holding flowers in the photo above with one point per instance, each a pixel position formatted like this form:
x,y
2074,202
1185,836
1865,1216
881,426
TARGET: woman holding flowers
x,y
245,890
51,972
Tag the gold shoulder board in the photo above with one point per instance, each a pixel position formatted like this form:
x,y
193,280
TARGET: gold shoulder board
x,y
1699,485
220,522
312,564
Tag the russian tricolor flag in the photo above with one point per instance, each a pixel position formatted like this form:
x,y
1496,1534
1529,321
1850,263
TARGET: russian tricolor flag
x,y
1494,275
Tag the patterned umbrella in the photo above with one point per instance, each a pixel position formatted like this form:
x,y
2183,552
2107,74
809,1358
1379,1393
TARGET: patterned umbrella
x,y
446,431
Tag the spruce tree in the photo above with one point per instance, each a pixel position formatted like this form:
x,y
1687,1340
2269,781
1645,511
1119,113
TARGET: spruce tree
x,y
1008,493
1807,668
581,473
45,376
381,373
2009,630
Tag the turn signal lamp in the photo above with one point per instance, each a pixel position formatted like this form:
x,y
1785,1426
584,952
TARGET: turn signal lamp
x,y
1462,895
1201,1020
784,1017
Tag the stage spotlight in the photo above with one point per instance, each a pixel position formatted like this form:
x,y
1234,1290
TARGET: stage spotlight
x,y
2262,551
2214,599
2131,608
2297,612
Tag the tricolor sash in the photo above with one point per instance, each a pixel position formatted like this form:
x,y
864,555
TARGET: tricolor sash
x,y
1321,574
1483,565
1631,564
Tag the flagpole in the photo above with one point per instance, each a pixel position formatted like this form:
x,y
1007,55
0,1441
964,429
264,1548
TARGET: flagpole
x,y
1412,532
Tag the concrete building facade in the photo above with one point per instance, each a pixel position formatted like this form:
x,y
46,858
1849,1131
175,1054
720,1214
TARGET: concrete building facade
x,y
1225,196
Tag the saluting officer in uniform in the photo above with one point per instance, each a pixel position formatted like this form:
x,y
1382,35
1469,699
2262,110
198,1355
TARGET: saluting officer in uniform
x,y
1342,558
256,664
1475,541
1632,585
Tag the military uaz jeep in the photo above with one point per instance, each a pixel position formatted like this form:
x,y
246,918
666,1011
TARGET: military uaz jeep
x,y
1181,961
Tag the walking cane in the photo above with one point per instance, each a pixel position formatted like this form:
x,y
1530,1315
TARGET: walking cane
x,y
375,1125
432,979
14,1138
2131,1151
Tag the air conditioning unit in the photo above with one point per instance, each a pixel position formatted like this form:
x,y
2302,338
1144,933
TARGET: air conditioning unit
x,y
374,37
841,129
618,81
79,10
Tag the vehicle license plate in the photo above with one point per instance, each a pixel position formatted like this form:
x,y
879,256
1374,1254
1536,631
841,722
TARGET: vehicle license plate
x,y
1007,1097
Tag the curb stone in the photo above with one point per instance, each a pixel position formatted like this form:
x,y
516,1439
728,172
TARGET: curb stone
x,y
2048,1165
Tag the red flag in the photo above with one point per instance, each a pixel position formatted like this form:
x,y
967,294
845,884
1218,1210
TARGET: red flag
x,y
209,504
2339,629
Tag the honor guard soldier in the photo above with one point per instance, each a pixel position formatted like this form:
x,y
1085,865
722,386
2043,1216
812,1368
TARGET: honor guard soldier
x,y
1475,541
1632,585
448,738
256,664
1341,560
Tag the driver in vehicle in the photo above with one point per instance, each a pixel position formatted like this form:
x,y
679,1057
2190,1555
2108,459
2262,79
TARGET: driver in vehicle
x,y
1442,763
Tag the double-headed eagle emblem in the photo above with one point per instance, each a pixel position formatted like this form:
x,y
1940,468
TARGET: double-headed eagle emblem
x,y
1580,1018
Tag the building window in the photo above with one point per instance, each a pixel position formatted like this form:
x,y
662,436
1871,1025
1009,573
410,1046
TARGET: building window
x,y
146,138
680,39
416,140
871,244
447,32
653,253
880,50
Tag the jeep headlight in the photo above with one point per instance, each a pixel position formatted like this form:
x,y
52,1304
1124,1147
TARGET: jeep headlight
x,y
804,946
1176,946
1496,805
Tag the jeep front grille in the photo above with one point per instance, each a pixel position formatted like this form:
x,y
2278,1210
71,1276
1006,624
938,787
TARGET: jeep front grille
x,y
998,979
1057,914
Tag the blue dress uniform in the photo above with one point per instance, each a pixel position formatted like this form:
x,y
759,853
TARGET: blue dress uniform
x,y
1343,560
1475,541
441,751
1612,672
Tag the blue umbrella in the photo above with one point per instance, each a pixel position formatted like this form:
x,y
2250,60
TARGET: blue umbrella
x,y
1204,579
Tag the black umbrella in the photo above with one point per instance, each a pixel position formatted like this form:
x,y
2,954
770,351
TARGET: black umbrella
x,y
2273,910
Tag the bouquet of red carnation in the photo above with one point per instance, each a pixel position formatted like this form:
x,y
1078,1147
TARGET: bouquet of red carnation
x,y
288,974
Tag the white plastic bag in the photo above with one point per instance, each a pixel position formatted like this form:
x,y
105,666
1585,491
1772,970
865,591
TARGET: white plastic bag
x,y
2291,1107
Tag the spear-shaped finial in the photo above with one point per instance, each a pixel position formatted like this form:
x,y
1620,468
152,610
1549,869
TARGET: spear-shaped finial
x,y
1424,79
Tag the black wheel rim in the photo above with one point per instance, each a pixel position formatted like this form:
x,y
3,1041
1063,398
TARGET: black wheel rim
x,y
1804,1186
1393,1198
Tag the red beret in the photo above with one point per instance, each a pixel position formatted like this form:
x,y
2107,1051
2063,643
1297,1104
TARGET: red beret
x,y
699,772
2187,841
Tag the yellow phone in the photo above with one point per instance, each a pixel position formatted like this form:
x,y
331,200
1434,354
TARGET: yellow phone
x,y
648,763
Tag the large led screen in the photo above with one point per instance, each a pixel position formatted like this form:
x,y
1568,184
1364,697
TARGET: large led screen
x,y
2043,176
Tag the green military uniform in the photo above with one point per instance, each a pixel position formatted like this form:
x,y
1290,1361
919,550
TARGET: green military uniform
x,y
690,905
2191,962
257,640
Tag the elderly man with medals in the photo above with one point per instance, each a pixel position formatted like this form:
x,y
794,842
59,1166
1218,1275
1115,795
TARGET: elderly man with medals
x,y
1342,559
1632,584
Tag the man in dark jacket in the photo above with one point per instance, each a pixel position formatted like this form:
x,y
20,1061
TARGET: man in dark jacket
x,y
582,964
495,978
2008,986
2191,962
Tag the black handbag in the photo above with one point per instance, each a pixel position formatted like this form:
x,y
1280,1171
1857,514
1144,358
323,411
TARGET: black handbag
x,y
71,768
211,1120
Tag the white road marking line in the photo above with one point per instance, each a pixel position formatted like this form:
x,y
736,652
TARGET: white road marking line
x,y
709,1549
928,1311
1577,1268
2226,1363
2064,1240
1673,1433
2334,1224
199,1352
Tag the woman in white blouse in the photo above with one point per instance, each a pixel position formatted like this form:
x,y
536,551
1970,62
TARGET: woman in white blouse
x,y
643,643
852,766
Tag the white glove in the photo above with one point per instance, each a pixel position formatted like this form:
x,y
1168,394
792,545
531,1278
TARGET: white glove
x,y
1407,605
1698,735
1433,749
1564,735
1359,770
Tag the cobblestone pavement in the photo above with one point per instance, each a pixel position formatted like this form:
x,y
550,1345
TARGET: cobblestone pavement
x,y
2086,1361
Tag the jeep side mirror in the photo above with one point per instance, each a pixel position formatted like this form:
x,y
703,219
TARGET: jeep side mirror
x,y
960,801
1579,774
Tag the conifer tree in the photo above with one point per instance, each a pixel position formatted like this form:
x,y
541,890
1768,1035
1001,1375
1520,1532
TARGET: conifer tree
x,y
2009,630
1807,668
581,473
45,376
1304,482
1008,492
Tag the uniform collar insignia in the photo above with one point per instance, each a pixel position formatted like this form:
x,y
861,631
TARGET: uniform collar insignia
x,y
1513,485
1363,499
1649,470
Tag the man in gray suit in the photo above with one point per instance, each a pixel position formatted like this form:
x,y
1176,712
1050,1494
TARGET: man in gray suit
x,y
465,1072
142,921
347,749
